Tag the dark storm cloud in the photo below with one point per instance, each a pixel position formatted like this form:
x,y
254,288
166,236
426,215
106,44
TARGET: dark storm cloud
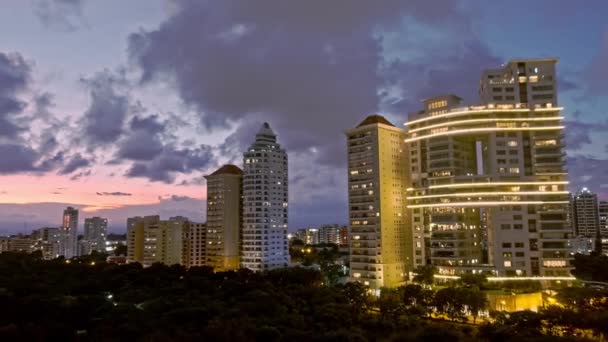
x,y
310,69
17,158
596,74
75,163
116,193
143,142
171,161
15,74
590,172
578,133
62,15
104,119
180,198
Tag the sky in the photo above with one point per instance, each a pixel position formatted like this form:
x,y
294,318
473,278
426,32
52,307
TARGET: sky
x,y
119,108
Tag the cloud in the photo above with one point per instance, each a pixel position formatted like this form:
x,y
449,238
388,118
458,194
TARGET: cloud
x,y
103,120
596,73
144,142
117,193
15,75
77,162
61,15
17,159
180,198
164,167
310,69
578,133
588,171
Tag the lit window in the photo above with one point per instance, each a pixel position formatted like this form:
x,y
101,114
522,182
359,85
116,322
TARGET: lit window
x,y
507,263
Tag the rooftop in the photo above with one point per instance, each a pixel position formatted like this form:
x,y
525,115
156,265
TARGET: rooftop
x,y
228,169
375,119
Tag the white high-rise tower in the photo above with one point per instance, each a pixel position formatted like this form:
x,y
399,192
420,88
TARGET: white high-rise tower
x,y
68,233
265,204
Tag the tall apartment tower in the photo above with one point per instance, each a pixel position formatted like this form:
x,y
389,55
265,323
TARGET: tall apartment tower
x,y
142,237
585,216
197,244
380,237
68,233
523,81
95,232
603,214
490,191
224,217
265,204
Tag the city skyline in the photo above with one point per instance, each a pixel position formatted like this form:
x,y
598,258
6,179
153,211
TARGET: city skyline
x,y
123,130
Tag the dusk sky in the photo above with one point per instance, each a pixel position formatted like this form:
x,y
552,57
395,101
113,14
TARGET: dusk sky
x,y
119,107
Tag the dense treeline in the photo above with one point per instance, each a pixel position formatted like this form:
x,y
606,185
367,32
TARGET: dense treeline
x,y
87,299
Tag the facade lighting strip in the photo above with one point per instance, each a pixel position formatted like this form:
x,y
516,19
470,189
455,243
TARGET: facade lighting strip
x,y
555,118
483,111
488,193
485,129
482,204
440,276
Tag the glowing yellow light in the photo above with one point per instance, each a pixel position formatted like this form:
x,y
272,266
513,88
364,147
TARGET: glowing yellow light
x,y
482,111
92,263
68,261
468,185
485,129
482,204
454,123
439,276
473,194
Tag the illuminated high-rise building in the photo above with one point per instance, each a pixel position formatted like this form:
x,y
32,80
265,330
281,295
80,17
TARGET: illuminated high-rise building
x,y
585,217
68,233
489,185
151,240
603,220
380,237
224,217
95,231
265,204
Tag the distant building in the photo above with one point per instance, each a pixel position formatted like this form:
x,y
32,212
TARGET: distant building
x,y
585,217
47,241
95,231
114,241
151,240
344,236
310,236
142,236
330,233
603,220
224,217
381,252
265,204
582,245
68,233
17,243
197,244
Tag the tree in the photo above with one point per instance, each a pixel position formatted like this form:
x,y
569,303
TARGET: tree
x,y
474,299
390,305
120,250
417,299
450,301
425,274
469,279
